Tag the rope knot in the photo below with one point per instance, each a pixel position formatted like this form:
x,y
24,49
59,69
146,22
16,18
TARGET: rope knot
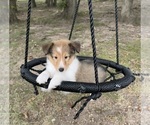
x,y
93,96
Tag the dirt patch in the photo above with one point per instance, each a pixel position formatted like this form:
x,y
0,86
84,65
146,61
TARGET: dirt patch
x,y
116,108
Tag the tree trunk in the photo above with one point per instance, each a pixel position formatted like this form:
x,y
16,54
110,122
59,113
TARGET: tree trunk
x,y
13,7
69,9
54,3
51,3
47,2
126,10
33,3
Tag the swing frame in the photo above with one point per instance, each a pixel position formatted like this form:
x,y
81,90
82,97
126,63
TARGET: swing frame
x,y
81,87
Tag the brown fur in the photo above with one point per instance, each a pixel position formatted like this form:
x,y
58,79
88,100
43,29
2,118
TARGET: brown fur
x,y
66,54
86,72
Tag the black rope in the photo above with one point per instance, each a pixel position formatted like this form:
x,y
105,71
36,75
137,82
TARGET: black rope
x,y
142,75
85,97
93,96
36,92
74,19
93,40
27,32
98,94
27,42
82,107
38,71
117,41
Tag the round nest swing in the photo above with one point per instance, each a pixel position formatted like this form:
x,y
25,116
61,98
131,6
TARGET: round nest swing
x,y
111,83
81,87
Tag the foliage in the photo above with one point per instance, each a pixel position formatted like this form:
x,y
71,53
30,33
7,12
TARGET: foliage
x,y
62,4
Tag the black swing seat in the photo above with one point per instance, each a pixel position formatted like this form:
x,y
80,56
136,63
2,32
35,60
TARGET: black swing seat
x,y
81,87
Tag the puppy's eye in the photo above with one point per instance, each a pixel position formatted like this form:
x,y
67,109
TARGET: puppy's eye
x,y
55,57
66,57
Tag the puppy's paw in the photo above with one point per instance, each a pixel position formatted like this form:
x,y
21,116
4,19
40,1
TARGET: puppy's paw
x,y
42,78
65,93
45,90
54,83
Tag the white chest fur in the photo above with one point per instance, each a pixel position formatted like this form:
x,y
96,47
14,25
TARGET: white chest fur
x,y
58,77
69,74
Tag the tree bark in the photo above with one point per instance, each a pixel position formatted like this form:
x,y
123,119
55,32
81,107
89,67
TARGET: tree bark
x,y
54,3
51,3
126,10
13,7
69,9
33,3
47,2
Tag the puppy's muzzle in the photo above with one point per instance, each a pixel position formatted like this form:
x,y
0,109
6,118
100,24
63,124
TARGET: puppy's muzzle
x,y
61,69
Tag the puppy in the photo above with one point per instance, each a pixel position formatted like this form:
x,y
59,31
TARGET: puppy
x,y
63,65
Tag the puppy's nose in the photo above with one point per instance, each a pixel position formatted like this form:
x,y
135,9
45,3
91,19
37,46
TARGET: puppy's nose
x,y
61,69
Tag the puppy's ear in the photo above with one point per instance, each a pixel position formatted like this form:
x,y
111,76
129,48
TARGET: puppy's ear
x,y
75,47
47,48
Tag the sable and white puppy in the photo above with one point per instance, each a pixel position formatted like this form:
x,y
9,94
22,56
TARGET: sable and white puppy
x,y
62,65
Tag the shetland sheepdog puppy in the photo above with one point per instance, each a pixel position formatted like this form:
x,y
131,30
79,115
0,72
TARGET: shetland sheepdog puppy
x,y
63,65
